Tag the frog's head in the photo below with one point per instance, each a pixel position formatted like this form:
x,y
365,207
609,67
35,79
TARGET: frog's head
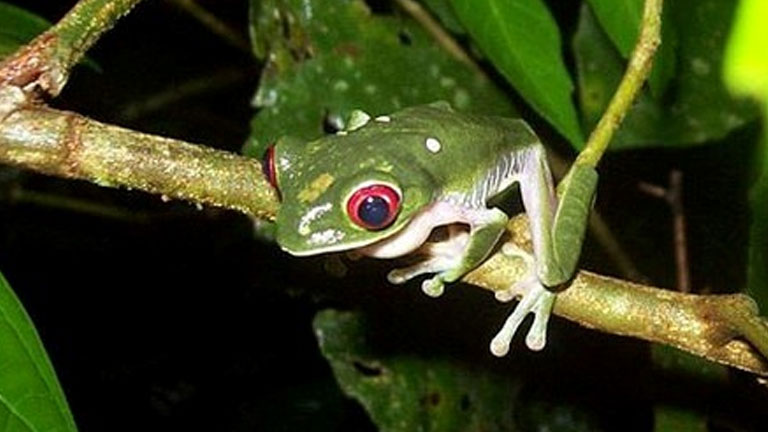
x,y
340,198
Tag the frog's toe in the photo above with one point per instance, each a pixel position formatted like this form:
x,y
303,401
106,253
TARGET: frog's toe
x,y
433,287
431,265
536,299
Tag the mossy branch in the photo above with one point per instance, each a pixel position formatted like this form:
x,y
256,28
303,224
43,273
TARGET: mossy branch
x,y
725,329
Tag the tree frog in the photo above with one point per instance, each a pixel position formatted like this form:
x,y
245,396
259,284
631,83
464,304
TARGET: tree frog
x,y
382,184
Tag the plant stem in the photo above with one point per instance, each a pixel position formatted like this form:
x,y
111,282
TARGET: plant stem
x,y
45,63
638,69
722,328
214,24
66,144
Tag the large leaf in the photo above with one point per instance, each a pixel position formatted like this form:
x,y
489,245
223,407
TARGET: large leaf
x,y
522,40
621,20
17,27
325,59
403,392
31,399
696,108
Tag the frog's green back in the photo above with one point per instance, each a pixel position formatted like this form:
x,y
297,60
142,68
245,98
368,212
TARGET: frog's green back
x,y
426,152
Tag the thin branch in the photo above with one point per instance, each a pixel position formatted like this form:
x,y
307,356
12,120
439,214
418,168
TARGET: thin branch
x,y
673,195
214,24
637,71
195,87
443,38
44,64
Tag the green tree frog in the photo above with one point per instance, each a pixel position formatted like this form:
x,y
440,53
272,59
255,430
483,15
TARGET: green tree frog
x,y
382,184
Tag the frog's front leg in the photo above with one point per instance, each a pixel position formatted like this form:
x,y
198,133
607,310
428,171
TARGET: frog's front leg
x,y
460,253
557,232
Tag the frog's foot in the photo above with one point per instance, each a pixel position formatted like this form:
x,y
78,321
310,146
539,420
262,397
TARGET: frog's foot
x,y
521,287
441,258
433,287
535,298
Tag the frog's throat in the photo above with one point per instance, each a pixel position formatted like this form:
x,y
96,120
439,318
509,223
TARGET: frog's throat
x,y
416,231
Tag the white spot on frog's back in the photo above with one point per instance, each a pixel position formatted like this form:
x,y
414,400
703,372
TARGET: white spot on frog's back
x,y
433,145
325,238
357,119
310,216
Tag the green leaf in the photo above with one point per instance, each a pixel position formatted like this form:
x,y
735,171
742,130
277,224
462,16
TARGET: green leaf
x,y
17,27
327,59
746,71
621,20
31,399
696,109
746,66
403,392
522,40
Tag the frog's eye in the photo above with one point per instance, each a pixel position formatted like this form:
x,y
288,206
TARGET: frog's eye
x,y
268,166
374,207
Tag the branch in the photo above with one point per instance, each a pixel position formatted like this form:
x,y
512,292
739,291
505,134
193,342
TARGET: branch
x,y
722,328
637,71
45,63
66,144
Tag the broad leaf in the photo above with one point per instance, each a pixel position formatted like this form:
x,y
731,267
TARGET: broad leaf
x,y
522,40
31,399
327,59
403,392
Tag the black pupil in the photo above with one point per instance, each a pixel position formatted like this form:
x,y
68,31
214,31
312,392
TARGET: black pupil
x,y
374,211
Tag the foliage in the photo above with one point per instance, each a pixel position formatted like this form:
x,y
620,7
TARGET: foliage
x,y
31,399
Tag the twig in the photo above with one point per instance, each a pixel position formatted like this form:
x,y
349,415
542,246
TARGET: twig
x,y
212,81
44,64
637,71
443,38
673,195
214,24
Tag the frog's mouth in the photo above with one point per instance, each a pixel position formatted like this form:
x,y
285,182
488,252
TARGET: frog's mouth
x,y
335,240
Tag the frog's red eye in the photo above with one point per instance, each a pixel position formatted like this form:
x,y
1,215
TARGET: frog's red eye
x,y
374,207
268,166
